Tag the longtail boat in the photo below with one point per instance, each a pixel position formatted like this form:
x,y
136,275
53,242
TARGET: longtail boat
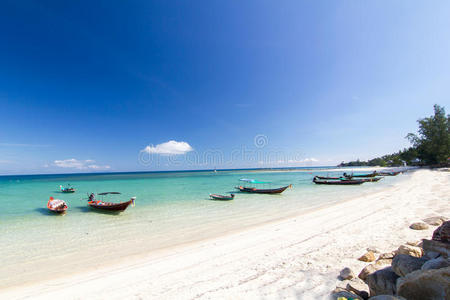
x,y
262,191
221,197
374,179
66,189
362,175
329,178
338,182
109,206
56,205
389,173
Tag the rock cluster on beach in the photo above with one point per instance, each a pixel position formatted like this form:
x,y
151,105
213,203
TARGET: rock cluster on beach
x,y
414,271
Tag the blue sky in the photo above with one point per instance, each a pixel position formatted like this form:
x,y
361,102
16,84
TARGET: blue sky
x,y
96,86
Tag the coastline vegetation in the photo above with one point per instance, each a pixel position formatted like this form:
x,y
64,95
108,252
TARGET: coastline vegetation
x,y
430,146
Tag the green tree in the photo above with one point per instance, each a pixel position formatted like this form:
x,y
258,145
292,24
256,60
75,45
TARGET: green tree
x,y
433,139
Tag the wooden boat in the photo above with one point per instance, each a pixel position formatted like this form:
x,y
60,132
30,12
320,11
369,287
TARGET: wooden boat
x,y
262,191
362,175
338,182
329,178
374,179
66,189
221,197
389,173
109,206
56,205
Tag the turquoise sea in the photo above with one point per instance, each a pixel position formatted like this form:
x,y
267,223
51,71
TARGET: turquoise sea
x,y
172,208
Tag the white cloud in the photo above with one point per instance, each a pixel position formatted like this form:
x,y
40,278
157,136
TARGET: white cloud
x,y
168,148
310,160
306,160
79,164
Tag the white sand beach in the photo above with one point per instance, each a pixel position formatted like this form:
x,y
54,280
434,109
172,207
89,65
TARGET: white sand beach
x,y
297,258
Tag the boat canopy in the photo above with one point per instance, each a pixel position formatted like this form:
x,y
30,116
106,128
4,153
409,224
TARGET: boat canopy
x,y
252,180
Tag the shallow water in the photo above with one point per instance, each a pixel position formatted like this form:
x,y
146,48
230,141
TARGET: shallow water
x,y
171,208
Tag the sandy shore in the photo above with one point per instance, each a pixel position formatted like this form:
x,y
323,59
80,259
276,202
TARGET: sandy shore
x,y
298,258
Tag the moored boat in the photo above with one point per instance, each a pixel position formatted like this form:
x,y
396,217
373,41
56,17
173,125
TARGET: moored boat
x,y
362,175
329,178
56,205
262,191
374,179
389,173
338,182
109,206
221,197
68,189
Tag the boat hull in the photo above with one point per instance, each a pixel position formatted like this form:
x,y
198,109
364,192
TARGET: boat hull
x,y
389,174
108,206
375,179
57,210
68,191
328,178
221,197
365,175
262,191
338,182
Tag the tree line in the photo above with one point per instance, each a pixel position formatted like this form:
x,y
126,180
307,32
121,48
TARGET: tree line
x,y
430,146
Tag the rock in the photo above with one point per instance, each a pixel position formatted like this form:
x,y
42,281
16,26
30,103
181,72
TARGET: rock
x,y
369,269
438,247
383,262
345,294
386,297
430,284
442,233
404,264
419,226
436,263
411,243
368,257
434,221
382,282
358,287
387,255
431,255
410,250
346,273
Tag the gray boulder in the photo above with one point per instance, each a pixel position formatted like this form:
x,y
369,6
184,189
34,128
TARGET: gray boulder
x,y
438,247
430,285
403,264
442,233
369,269
382,282
436,263
345,294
